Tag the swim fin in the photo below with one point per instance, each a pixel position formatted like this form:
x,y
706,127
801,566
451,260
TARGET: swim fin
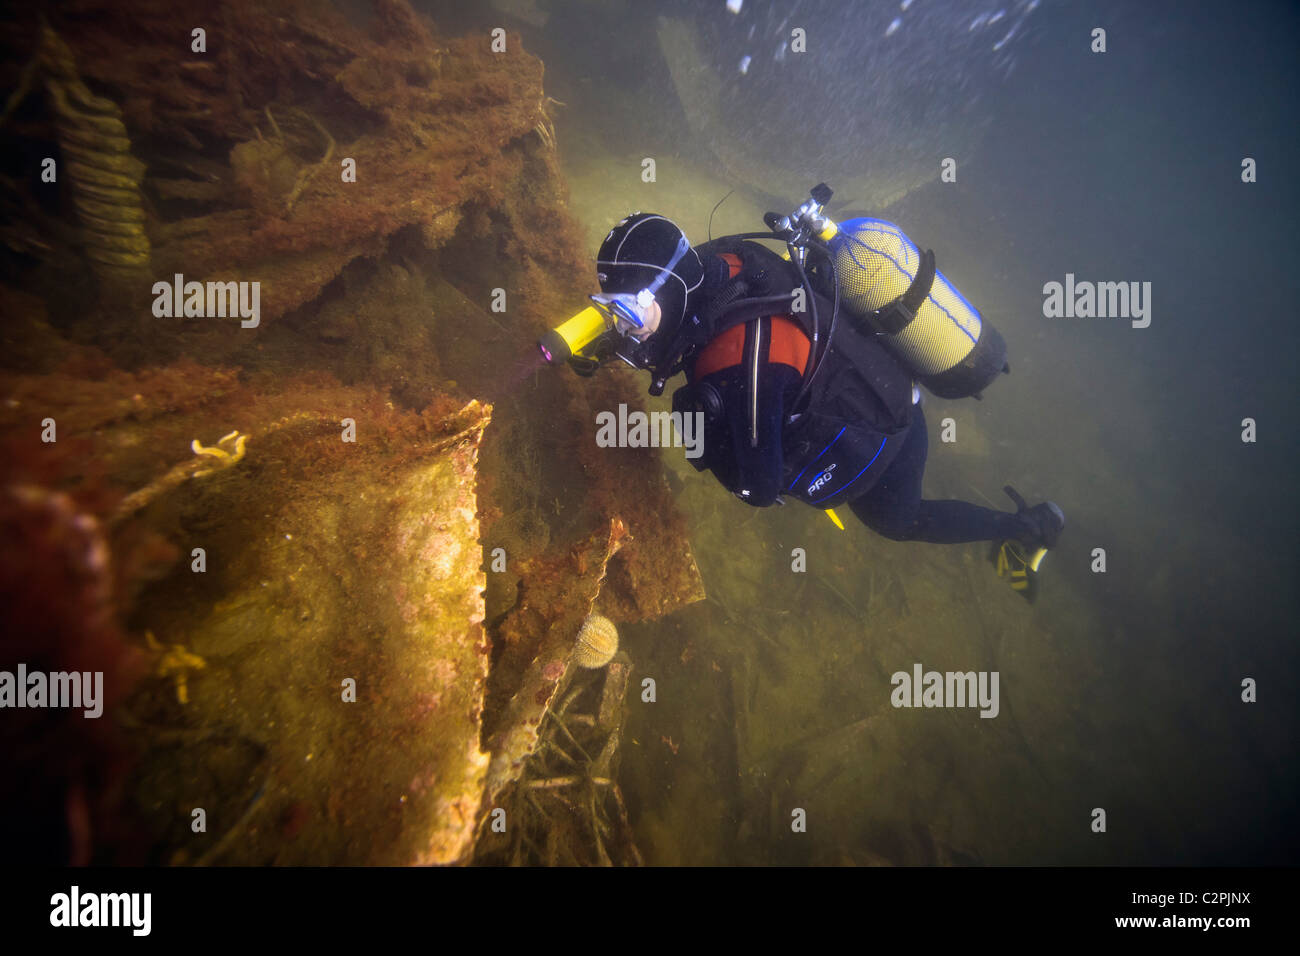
x,y
1018,559
1020,569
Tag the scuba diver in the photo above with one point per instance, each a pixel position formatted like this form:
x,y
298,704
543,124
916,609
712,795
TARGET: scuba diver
x,y
805,367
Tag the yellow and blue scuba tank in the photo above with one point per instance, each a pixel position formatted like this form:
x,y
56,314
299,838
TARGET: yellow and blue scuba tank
x,y
935,333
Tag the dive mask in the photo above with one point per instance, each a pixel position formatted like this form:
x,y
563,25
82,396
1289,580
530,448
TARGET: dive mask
x,y
624,311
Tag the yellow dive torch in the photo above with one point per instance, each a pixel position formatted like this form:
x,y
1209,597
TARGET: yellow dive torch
x,y
571,337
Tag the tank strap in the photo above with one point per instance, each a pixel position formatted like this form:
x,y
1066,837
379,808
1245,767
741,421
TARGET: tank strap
x,y
898,315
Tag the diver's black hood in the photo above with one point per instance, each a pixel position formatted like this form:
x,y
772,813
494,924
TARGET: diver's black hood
x,y
633,255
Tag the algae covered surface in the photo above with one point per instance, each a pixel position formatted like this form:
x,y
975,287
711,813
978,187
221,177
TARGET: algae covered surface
x,y
282,505
360,692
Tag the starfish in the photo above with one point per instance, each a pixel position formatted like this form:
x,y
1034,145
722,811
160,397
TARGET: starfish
x,y
175,662
224,453
216,451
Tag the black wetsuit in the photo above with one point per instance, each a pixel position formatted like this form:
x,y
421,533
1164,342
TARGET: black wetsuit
x,y
858,440
894,508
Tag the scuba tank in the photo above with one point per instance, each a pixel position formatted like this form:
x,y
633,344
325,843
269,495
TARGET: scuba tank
x,y
893,290
934,332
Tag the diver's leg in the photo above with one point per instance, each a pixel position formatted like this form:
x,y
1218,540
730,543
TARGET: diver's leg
x,y
893,507
890,506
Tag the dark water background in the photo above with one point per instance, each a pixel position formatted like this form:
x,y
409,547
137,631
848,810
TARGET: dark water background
x,y
1120,690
